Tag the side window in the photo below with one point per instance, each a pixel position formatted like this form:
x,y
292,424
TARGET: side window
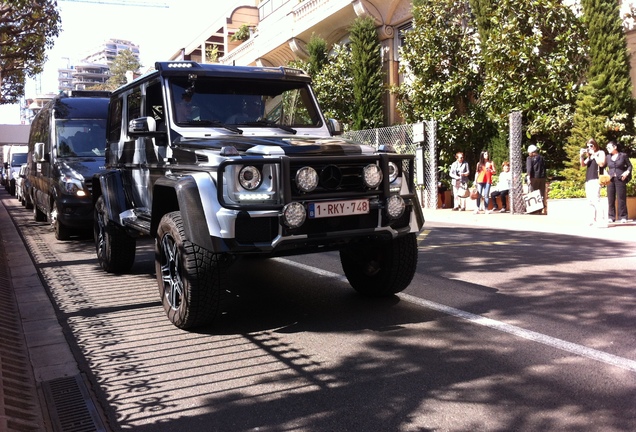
x,y
134,105
154,105
114,120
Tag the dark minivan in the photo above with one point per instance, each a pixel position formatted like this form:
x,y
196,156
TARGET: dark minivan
x,y
66,147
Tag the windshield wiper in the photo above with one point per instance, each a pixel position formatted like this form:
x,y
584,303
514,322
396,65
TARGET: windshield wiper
x,y
272,124
214,123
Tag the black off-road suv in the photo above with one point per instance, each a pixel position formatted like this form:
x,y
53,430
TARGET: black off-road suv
x,y
215,162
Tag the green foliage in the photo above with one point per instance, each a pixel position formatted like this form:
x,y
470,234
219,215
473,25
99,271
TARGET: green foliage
x,y
212,54
441,59
242,34
332,85
604,106
534,58
27,30
366,71
124,62
318,55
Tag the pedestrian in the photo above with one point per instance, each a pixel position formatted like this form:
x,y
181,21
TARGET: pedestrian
x,y
620,170
535,169
502,188
459,172
593,159
441,191
483,179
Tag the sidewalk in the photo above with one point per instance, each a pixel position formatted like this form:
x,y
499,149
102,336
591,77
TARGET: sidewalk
x,y
569,221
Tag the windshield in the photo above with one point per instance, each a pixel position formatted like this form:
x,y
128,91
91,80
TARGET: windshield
x,y
18,159
81,138
243,102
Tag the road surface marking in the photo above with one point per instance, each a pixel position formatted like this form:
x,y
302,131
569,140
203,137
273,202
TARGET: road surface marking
x,y
559,344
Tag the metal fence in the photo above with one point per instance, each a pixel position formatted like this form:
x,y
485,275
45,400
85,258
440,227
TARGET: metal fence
x,y
419,139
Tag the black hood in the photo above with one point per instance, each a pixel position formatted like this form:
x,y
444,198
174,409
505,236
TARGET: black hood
x,y
290,145
85,166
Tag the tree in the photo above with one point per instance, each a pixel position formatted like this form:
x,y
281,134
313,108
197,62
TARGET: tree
x,y
534,57
27,29
124,62
443,77
318,55
605,103
366,70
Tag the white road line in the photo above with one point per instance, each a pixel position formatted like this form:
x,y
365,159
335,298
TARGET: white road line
x,y
559,344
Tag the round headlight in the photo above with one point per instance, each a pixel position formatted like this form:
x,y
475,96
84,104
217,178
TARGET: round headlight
x,y
250,177
372,176
393,171
306,179
294,214
395,206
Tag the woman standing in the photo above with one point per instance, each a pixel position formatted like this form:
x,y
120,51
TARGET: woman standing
x,y
620,171
593,158
483,180
459,172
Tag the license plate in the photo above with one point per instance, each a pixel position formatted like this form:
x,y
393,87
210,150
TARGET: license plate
x,y
338,208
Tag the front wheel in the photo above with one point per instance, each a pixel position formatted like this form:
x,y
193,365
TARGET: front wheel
x,y
190,278
115,249
380,268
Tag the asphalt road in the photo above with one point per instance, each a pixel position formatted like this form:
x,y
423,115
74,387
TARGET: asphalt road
x,y
500,330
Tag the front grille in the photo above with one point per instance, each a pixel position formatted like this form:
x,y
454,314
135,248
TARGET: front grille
x,y
333,178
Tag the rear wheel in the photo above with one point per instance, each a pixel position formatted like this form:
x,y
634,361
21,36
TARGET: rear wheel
x,y
190,278
379,268
115,249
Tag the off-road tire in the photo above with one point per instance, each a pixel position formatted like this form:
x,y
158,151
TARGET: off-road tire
x,y
379,268
190,278
115,249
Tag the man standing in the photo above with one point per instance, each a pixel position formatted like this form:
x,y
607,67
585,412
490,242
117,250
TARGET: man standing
x,y
535,168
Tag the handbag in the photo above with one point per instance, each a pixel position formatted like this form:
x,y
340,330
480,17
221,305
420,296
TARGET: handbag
x,y
603,179
463,191
473,193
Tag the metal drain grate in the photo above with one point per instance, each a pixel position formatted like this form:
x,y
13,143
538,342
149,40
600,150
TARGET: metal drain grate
x,y
70,406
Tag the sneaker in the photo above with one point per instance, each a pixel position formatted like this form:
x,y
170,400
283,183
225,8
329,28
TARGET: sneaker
x,y
476,211
610,220
462,209
487,212
502,211
455,208
623,220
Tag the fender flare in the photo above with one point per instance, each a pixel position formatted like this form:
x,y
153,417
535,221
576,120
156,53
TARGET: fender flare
x,y
111,187
195,197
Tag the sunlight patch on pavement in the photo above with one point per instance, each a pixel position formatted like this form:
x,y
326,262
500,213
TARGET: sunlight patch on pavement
x,y
559,344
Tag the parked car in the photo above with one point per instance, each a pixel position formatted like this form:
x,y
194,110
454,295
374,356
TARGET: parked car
x,y
17,155
66,143
216,162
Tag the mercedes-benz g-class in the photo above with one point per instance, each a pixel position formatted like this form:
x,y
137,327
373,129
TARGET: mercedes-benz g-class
x,y
215,162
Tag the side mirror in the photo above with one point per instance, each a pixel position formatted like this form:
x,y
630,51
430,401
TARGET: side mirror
x,y
142,126
38,152
334,126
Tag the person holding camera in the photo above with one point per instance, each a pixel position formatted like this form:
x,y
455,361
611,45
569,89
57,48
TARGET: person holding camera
x,y
594,159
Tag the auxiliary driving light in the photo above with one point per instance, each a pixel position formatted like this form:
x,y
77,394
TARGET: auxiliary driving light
x,y
294,214
372,176
306,179
395,206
